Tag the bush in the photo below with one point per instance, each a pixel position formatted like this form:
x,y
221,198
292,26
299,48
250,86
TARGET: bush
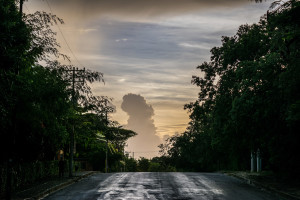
x,y
154,167
131,165
28,173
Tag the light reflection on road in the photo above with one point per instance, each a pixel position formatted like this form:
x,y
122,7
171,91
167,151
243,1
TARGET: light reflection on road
x,y
161,186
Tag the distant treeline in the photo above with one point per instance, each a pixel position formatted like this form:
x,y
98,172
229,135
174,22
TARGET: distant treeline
x,y
249,99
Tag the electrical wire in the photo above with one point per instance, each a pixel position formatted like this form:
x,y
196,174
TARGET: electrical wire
x,y
64,37
27,8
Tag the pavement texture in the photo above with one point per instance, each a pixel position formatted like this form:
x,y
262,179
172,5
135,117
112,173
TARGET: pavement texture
x,y
46,187
161,186
114,183
269,182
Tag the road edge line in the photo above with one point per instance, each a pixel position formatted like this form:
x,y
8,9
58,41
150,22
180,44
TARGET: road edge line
x,y
261,186
61,186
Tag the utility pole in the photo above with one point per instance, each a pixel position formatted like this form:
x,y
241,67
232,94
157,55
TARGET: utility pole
x,y
106,161
21,7
106,155
253,161
258,161
76,77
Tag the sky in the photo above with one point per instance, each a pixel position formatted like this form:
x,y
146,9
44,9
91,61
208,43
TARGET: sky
x,y
148,51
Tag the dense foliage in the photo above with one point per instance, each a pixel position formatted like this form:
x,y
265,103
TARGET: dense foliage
x,y
40,106
156,164
248,99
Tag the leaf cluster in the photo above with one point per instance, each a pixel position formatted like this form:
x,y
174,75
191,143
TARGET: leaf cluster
x,y
39,103
248,99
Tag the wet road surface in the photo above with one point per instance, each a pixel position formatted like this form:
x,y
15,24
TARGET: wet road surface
x,y
161,186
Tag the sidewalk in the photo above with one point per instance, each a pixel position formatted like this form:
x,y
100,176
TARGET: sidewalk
x,y
269,182
44,188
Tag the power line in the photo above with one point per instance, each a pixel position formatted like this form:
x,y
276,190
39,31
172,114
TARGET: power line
x,y
27,8
64,36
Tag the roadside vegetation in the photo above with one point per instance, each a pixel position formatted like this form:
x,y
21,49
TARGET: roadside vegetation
x,y
156,164
43,101
249,99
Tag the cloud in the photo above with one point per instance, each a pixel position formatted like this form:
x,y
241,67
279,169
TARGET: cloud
x,y
137,109
140,120
138,9
121,40
197,46
83,31
150,48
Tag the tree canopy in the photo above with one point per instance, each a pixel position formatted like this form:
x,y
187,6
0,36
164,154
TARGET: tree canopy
x,y
248,99
39,103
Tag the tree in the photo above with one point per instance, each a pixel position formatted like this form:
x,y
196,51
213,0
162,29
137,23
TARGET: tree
x,y
14,43
143,164
131,165
37,101
248,99
92,134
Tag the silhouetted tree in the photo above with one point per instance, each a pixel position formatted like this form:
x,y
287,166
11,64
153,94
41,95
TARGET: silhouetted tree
x,y
248,99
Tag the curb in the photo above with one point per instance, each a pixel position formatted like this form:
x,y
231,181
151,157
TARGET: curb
x,y
267,188
59,187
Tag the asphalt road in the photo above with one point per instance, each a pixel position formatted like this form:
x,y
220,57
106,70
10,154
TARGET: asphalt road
x,y
160,186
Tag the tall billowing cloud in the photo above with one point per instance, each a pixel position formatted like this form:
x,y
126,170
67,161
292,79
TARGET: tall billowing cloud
x,y
140,120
